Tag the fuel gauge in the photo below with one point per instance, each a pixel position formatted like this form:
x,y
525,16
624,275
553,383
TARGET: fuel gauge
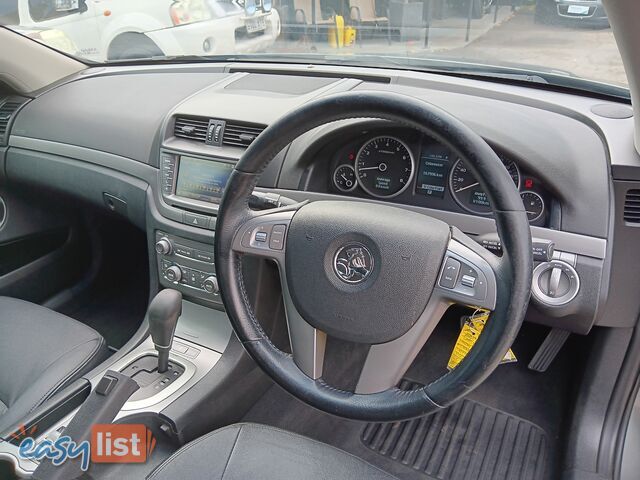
x,y
344,178
533,205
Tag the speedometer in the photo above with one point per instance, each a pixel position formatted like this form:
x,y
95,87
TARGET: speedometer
x,y
466,189
384,167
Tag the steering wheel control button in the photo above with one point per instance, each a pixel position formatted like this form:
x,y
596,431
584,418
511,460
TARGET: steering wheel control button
x,y
261,237
450,273
468,281
276,242
353,263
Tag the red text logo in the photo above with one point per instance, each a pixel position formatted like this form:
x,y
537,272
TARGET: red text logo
x,y
121,443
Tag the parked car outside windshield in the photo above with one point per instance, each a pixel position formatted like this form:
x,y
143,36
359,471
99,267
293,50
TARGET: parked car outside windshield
x,y
541,41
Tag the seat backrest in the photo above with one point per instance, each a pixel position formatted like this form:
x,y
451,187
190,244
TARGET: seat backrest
x,y
306,7
367,9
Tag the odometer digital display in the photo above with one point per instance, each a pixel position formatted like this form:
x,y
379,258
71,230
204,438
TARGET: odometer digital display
x,y
384,167
432,169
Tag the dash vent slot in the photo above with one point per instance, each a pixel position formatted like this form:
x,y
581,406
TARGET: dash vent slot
x,y
241,134
208,130
7,109
191,128
632,207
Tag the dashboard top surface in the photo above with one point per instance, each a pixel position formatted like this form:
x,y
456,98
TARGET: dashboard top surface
x,y
552,135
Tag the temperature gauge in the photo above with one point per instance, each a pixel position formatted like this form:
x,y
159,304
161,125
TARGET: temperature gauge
x,y
344,178
533,204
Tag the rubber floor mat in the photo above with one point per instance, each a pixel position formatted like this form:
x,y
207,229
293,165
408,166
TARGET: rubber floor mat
x,y
467,441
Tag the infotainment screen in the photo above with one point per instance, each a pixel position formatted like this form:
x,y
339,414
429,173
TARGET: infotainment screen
x,y
202,180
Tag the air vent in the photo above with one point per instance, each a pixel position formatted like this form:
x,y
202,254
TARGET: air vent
x,y
191,128
632,206
207,130
240,134
6,112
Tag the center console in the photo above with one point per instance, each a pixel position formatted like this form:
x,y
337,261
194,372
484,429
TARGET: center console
x,y
201,336
193,185
187,266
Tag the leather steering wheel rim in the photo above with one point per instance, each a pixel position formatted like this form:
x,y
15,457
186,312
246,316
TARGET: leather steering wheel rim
x,y
512,271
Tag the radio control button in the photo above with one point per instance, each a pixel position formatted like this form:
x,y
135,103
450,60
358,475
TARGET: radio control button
x,y
163,246
468,281
261,237
173,274
183,251
276,242
203,256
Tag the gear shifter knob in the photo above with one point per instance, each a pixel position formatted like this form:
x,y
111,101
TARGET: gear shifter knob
x,y
163,313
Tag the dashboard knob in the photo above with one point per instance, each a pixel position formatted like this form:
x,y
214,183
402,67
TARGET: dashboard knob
x,y
210,285
555,283
173,274
163,246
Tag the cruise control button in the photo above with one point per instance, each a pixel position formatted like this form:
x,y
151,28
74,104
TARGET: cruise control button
x,y
450,273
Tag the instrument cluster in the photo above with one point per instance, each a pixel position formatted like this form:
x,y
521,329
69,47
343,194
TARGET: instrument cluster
x,y
422,171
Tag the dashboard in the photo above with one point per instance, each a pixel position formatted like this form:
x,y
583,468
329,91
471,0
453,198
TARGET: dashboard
x,y
162,154
404,166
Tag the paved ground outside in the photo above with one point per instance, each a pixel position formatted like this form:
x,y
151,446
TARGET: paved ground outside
x,y
514,38
586,52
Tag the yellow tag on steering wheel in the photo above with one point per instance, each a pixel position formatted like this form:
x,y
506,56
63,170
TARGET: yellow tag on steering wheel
x,y
469,334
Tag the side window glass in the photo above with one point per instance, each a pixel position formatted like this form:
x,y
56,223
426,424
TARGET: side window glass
x,y
9,12
42,10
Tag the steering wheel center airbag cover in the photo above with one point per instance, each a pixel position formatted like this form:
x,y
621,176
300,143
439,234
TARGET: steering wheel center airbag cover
x,y
363,274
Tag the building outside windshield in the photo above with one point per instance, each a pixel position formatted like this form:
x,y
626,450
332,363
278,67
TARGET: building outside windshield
x,y
558,42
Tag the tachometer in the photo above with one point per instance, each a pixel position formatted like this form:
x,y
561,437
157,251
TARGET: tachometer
x,y
466,190
384,167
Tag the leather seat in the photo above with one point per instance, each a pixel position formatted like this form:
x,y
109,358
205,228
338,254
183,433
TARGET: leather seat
x,y
41,352
248,451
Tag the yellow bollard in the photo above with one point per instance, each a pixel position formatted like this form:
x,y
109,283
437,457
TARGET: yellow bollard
x,y
336,32
349,35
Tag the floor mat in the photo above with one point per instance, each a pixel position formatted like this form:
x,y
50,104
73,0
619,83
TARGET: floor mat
x,y
513,390
465,441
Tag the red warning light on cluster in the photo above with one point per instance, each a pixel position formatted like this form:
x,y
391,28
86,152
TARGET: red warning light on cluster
x,y
352,156
528,183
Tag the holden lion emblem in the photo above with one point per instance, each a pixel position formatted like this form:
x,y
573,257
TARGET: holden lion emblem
x,y
353,263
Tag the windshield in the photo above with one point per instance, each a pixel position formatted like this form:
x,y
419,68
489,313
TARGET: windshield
x,y
562,42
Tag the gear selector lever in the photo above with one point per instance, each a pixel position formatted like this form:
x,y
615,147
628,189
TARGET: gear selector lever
x,y
163,313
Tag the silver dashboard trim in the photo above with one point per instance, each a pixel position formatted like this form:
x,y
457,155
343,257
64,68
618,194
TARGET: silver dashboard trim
x,y
594,247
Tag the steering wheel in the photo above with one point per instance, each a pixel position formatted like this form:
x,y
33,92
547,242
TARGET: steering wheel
x,y
372,273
